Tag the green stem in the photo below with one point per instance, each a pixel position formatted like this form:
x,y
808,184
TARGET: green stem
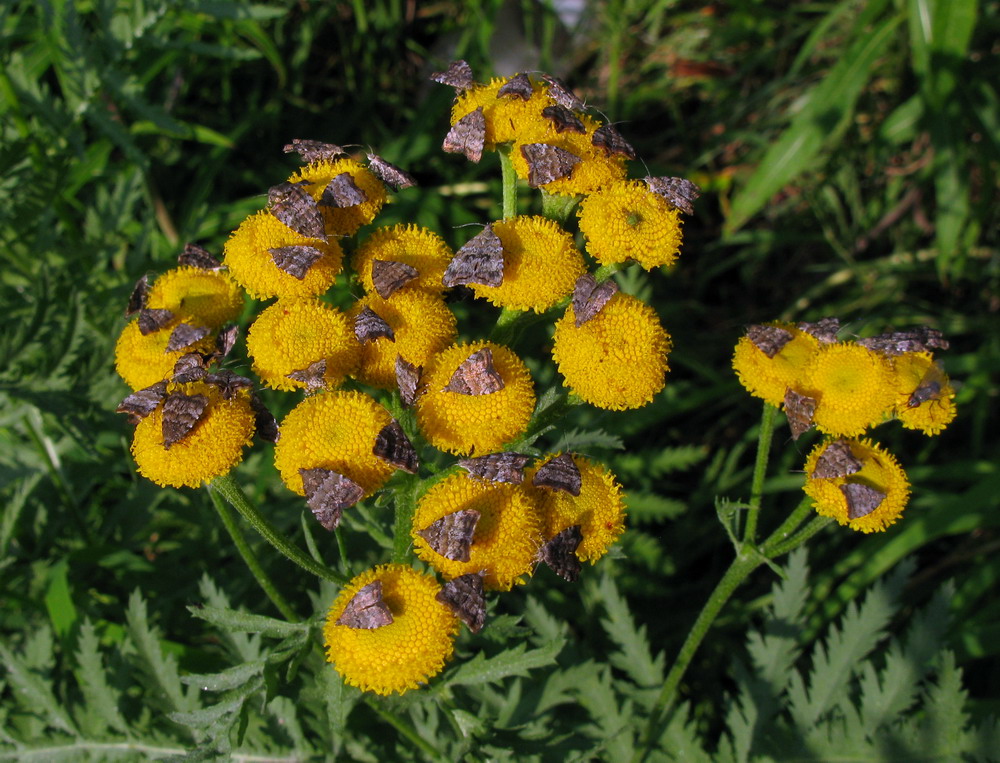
x,y
779,549
558,208
759,471
250,558
604,272
509,183
789,526
227,486
508,323
403,728
405,505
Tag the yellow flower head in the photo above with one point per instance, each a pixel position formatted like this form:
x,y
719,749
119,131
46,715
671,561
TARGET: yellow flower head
x,y
626,220
406,652
506,116
199,297
292,334
422,324
343,221
852,387
599,509
213,447
541,265
420,248
880,477
618,358
464,424
335,431
507,534
925,399
768,378
143,360
250,262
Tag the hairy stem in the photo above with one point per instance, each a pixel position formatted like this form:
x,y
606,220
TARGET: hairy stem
x,y
509,183
759,471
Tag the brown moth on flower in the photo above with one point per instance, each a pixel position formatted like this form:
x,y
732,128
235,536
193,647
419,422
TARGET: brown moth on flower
x,y
153,319
560,473
920,339
313,375
836,461
198,257
590,297
293,206
799,409
408,380
185,335
563,119
367,610
314,150
394,447
328,493
861,499
140,404
265,425
547,163
464,597
181,413
561,94
560,553
369,326
476,375
342,192
608,138
479,261
825,329
467,136
768,339
497,467
389,276
225,342
458,75
451,535
389,173
518,86
677,192
295,260
137,299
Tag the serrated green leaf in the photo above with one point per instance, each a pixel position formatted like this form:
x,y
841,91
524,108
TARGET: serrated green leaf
x,y
35,694
230,678
634,655
100,699
516,661
58,601
160,669
242,622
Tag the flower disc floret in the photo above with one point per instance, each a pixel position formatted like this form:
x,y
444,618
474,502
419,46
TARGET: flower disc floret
x,y
199,297
213,447
420,248
250,262
343,221
335,431
541,264
768,378
599,509
852,387
422,324
911,371
506,538
292,334
618,358
403,654
464,424
625,220
143,360
880,471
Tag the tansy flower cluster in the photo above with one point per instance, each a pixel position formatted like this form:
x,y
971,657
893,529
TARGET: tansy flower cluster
x,y
844,389
387,394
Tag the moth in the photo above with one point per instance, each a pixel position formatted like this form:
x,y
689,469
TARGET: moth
x,y
458,75
677,192
464,597
920,339
185,335
608,138
369,326
799,409
328,493
476,375
561,94
389,173
367,610
547,163
295,260
225,341
153,319
480,261
198,257
560,553
394,447
861,499
137,299
825,329
590,297
560,473
314,150
563,119
408,380
228,383
313,375
836,460
518,86
181,413
389,276
768,339
143,402
451,536
293,206
497,467
467,136
342,192
264,422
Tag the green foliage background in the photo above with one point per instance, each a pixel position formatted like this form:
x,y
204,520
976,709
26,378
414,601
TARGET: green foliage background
x,y
848,153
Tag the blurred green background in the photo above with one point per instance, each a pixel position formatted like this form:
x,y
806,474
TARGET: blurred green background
x,y
848,155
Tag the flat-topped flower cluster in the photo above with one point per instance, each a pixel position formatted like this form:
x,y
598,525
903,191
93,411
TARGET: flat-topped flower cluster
x,y
487,521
